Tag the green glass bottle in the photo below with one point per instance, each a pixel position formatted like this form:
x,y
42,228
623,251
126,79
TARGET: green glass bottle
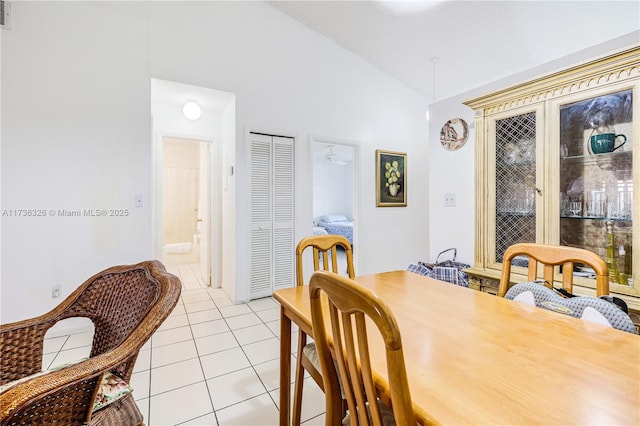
x,y
610,259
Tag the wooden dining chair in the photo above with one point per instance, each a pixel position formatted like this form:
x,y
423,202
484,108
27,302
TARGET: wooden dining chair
x,y
551,256
324,250
350,307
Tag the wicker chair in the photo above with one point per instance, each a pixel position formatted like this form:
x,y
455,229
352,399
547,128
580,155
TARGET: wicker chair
x,y
126,305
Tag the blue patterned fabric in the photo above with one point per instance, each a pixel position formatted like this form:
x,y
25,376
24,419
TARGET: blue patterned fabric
x,y
451,275
587,308
419,269
339,228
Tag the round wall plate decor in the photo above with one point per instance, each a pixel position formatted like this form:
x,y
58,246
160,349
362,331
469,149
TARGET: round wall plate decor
x,y
454,134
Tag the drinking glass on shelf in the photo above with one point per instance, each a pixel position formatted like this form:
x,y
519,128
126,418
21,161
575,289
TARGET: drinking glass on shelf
x,y
595,203
511,153
531,201
627,210
564,204
575,208
528,147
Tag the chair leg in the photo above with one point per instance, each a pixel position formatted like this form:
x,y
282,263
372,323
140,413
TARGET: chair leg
x,y
297,393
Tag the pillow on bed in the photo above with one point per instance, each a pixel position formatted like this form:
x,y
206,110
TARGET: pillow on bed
x,y
330,218
318,230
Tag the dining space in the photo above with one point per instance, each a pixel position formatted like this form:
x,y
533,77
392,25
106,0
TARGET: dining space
x,y
474,358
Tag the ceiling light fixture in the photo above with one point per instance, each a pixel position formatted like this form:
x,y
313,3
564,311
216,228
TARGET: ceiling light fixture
x,y
405,7
191,110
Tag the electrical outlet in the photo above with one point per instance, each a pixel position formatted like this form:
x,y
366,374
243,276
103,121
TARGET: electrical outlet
x,y
449,200
56,291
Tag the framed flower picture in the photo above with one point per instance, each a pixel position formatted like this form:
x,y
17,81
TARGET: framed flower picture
x,y
391,179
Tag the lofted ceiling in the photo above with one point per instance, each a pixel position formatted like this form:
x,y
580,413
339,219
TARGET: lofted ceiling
x,y
454,46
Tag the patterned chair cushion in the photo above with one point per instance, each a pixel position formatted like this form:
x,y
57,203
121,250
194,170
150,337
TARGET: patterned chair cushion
x,y
587,308
311,352
112,387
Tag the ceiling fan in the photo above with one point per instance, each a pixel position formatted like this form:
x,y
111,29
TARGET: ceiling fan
x,y
331,156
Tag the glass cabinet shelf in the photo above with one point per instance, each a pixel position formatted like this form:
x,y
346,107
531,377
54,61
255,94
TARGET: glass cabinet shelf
x,y
619,160
516,214
518,163
615,219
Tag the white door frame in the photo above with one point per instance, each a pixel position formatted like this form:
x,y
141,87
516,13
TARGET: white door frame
x,y
214,249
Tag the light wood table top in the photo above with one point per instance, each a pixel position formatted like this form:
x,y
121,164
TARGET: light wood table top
x,y
474,358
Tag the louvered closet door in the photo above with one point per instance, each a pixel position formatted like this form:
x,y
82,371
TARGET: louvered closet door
x,y
261,232
272,245
283,245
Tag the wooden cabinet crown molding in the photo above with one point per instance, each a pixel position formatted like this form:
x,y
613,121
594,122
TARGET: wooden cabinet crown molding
x,y
610,69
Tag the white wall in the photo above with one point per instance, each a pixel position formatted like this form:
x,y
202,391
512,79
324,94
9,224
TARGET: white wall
x,y
332,188
454,171
75,135
76,130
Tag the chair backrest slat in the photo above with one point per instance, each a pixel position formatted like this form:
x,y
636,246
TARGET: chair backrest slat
x,y
365,368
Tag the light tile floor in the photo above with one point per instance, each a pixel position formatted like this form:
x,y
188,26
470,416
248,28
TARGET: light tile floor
x,y
210,363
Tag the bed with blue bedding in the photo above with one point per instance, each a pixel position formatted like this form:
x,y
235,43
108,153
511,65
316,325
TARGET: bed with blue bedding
x,y
336,224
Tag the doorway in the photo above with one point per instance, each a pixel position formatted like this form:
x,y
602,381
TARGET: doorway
x,y
186,197
335,190
213,131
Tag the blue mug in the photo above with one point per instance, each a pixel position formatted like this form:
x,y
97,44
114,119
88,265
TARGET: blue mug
x,y
606,142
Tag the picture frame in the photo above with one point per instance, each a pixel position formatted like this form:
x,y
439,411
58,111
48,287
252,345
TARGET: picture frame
x,y
391,178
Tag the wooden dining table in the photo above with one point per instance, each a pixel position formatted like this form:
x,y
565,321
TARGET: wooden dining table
x,y
476,359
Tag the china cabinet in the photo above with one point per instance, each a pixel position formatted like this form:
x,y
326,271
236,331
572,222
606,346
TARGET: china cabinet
x,y
555,164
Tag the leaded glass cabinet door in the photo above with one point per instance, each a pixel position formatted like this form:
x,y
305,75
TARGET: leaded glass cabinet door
x,y
596,187
513,209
